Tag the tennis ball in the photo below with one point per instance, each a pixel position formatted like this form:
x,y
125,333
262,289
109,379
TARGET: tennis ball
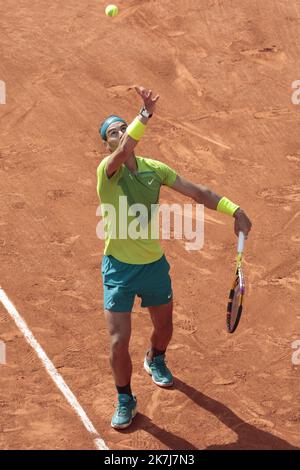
x,y
111,10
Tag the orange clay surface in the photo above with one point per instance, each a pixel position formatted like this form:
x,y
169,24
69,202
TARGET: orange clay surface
x,y
224,71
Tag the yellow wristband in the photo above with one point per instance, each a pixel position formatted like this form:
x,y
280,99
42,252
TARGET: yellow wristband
x,y
136,129
226,206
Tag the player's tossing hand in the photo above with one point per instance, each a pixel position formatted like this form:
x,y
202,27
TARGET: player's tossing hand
x,y
147,97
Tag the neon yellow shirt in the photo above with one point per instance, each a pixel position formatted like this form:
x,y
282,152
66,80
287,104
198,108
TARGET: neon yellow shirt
x,y
141,188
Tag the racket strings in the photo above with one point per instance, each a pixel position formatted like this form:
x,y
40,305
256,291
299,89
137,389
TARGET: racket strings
x,y
235,303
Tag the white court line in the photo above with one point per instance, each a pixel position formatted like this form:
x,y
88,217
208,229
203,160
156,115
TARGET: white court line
x,y
56,377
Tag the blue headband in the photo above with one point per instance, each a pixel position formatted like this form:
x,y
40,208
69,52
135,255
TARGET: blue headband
x,y
108,121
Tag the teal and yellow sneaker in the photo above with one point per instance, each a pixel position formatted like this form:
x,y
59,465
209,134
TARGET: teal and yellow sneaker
x,y
160,373
126,410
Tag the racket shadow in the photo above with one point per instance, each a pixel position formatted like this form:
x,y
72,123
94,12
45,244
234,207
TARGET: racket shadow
x,y
249,437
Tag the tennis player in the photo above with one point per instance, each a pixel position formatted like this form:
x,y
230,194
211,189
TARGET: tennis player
x,y
134,266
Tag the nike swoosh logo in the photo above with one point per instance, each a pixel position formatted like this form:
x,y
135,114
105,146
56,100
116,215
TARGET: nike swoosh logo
x,y
150,182
169,296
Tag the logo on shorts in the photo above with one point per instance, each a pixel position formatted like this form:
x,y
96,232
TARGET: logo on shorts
x,y
169,296
150,182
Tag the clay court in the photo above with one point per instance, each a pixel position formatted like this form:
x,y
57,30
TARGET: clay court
x,y
224,71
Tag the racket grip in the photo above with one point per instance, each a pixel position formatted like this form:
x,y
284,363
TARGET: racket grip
x,y
241,242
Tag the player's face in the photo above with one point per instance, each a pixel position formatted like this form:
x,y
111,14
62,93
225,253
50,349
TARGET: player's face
x,y
114,133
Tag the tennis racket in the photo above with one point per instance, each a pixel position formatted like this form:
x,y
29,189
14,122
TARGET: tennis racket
x,y
236,294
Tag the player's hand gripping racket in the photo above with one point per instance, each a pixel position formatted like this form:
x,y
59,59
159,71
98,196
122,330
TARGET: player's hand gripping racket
x,y
235,302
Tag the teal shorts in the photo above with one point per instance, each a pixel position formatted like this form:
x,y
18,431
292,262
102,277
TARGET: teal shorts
x,y
123,281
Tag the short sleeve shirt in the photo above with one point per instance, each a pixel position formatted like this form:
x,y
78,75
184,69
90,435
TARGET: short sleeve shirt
x,y
129,206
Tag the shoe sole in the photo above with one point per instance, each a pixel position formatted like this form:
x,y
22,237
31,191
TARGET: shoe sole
x,y
160,384
124,426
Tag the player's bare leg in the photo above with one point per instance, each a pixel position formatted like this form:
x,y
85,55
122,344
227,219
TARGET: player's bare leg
x,y
162,319
154,363
119,327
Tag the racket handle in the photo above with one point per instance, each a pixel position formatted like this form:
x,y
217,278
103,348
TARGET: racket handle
x,y
241,242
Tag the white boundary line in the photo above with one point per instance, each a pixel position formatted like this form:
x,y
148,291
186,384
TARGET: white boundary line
x,y
56,377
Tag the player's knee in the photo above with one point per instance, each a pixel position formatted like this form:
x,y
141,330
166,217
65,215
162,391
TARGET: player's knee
x,y
119,343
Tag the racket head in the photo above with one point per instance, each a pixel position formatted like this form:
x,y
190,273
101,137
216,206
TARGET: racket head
x,y
235,301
